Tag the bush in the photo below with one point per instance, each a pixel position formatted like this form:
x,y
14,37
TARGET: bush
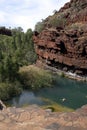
x,y
39,26
62,74
59,21
33,77
9,90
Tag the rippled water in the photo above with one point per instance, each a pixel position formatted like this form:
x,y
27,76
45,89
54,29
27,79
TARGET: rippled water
x,y
66,92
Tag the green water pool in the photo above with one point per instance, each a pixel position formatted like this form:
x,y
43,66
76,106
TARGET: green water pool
x,y
66,92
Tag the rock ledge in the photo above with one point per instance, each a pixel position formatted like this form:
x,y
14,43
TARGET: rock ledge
x,y
35,118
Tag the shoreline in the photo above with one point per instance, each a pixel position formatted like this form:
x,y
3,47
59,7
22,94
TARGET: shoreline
x,y
67,74
60,72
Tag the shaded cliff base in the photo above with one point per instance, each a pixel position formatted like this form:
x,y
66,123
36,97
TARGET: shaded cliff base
x,y
61,72
35,118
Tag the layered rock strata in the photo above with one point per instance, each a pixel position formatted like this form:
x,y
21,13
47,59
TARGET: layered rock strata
x,y
64,46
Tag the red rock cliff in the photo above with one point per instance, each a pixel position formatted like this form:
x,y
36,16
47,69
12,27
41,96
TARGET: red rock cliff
x,y
63,41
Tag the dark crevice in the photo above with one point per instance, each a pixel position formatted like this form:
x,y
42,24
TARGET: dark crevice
x,y
66,68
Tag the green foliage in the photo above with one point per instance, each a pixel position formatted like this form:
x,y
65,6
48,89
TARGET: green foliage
x,y
15,51
39,26
54,11
34,78
9,90
62,74
57,21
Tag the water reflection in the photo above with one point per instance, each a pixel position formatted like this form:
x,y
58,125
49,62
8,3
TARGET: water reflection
x,y
26,98
66,92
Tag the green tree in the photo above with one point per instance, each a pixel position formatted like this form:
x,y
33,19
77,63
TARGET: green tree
x,y
15,51
11,68
2,72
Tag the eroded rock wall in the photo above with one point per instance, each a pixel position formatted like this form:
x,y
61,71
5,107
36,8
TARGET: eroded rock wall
x,y
65,47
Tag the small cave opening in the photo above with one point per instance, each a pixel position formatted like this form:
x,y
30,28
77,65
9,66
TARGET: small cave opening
x,y
84,72
57,35
58,65
63,48
84,52
80,71
41,47
53,40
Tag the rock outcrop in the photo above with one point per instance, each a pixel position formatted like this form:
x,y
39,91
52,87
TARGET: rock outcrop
x,y
2,105
34,118
63,41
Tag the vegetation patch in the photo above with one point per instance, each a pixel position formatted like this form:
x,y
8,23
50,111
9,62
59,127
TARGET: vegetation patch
x,y
62,74
33,77
9,90
16,50
39,26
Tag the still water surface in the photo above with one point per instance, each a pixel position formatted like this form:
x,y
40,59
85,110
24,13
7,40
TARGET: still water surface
x,y
66,92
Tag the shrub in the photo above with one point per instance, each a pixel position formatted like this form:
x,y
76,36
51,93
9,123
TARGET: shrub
x,y
9,90
39,26
62,74
34,77
59,21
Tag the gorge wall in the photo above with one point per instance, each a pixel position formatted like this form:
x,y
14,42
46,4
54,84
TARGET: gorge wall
x,y
63,41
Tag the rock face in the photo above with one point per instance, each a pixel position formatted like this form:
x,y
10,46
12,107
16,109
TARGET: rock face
x,y
2,106
63,41
34,118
